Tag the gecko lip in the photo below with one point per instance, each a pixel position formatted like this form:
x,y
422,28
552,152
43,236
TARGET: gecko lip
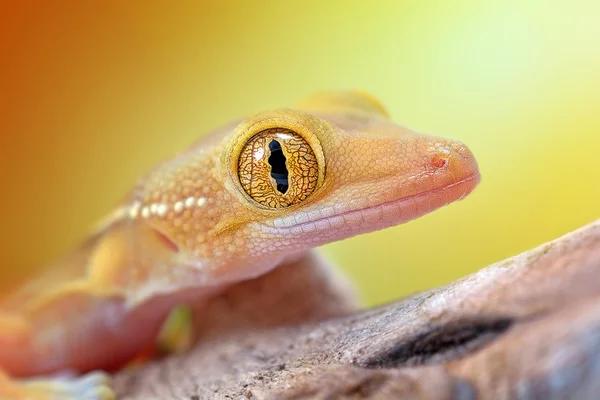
x,y
386,214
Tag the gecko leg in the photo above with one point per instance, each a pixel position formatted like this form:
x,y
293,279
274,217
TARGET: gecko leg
x,y
92,386
15,333
308,289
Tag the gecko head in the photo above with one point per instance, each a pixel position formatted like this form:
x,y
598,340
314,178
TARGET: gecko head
x,y
333,168
292,179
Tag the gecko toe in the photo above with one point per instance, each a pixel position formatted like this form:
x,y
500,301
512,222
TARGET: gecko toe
x,y
92,386
100,393
91,380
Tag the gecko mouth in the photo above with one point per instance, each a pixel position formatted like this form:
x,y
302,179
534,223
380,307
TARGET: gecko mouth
x,y
383,215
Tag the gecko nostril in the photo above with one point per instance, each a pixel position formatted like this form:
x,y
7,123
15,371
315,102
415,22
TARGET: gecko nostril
x,y
438,161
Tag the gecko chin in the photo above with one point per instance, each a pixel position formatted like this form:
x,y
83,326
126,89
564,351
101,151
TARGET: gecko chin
x,y
346,223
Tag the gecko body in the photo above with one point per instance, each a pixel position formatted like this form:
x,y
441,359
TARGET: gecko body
x,y
248,198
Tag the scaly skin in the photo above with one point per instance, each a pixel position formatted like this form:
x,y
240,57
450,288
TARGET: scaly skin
x,y
213,216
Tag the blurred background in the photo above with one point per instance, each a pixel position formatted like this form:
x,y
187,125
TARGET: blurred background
x,y
92,95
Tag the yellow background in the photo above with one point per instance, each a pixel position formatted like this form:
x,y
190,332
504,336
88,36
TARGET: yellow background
x,y
92,95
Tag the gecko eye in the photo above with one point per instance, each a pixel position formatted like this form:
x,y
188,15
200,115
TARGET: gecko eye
x,y
278,168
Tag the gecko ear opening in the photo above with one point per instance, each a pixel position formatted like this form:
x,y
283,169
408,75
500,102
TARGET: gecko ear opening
x,y
165,241
344,101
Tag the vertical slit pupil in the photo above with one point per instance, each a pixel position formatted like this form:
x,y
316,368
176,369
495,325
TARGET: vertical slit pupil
x,y
279,170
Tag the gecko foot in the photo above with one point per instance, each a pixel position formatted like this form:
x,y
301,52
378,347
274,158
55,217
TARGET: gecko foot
x,y
92,386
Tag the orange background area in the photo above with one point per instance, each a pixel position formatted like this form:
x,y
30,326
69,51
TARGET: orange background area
x,y
93,93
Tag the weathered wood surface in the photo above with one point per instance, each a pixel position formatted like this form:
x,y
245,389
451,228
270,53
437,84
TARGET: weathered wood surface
x,y
525,328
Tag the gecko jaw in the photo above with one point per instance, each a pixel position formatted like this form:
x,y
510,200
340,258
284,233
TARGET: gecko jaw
x,y
368,219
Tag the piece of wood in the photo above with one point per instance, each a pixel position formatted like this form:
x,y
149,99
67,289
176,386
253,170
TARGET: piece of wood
x,y
527,328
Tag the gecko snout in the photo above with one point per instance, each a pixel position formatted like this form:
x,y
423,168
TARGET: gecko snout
x,y
455,157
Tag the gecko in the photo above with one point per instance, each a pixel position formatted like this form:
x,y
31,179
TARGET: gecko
x,y
254,196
